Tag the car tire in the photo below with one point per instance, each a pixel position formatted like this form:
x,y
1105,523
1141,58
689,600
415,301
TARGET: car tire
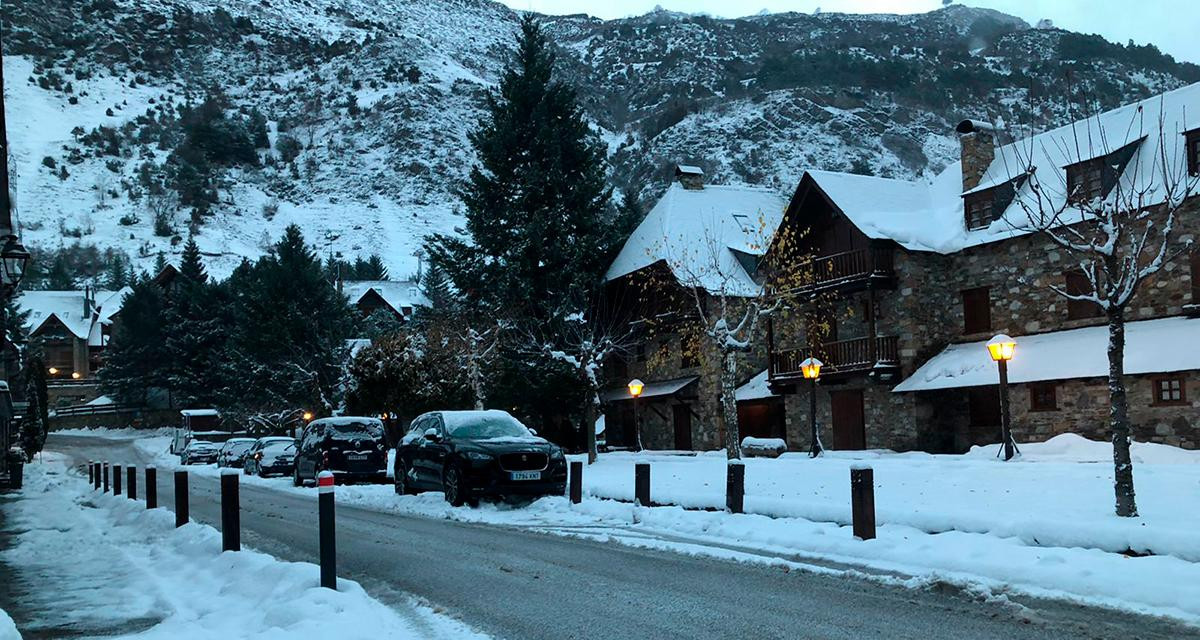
x,y
454,486
400,480
296,476
261,473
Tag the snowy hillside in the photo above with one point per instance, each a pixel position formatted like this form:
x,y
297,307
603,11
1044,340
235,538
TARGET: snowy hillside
x,y
367,105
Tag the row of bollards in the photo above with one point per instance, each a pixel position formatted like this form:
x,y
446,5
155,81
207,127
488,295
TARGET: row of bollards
x,y
862,492
231,526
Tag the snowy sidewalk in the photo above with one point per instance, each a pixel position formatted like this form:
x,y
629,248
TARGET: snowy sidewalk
x,y
104,565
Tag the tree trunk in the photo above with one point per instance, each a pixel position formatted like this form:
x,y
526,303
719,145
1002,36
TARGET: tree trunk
x,y
476,377
733,440
589,423
1119,416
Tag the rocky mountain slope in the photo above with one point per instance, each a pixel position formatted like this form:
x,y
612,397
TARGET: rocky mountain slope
x,y
360,109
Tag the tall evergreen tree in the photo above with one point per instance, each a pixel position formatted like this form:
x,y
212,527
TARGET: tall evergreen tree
x,y
59,278
290,330
136,358
199,323
536,204
37,416
191,263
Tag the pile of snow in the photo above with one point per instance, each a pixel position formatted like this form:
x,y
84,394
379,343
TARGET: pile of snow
x,y
98,561
1071,447
764,447
123,433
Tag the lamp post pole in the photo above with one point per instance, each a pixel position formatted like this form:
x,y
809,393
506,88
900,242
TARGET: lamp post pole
x,y
1005,415
812,418
635,391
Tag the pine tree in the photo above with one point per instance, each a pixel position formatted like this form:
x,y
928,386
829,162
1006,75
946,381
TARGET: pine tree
x,y
59,278
37,416
536,203
136,358
373,269
116,273
289,330
191,264
199,321
160,263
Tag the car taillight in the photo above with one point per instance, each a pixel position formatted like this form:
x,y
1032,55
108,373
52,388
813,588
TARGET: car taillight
x,y
325,459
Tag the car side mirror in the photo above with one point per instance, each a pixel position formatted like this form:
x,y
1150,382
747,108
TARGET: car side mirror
x,y
432,435
533,432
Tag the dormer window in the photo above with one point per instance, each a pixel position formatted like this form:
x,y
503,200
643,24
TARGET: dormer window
x,y
1193,151
1092,179
979,208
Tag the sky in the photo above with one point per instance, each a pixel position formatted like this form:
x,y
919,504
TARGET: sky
x,y
1172,25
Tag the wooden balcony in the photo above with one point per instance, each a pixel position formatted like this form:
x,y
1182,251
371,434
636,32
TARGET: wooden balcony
x,y
840,357
849,270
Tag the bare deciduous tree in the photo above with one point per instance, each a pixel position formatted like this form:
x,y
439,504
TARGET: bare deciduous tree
x,y
1117,222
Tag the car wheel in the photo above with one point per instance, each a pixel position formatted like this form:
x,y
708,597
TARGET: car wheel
x,y
400,480
454,486
296,476
261,473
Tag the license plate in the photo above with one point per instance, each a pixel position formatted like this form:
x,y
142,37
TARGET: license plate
x,y
356,456
526,475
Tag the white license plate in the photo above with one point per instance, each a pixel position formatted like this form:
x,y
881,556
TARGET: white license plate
x,y
356,456
526,475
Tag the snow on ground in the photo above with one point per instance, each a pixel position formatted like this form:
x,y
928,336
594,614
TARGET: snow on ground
x,y
1039,526
104,562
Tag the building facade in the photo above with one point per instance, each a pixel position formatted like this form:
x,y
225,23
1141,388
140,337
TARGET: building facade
x,y
910,280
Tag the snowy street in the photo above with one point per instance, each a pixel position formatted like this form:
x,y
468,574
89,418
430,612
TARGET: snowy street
x,y
595,577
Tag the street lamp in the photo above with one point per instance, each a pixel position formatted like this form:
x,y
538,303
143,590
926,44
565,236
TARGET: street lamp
x,y
13,260
1001,349
53,371
635,391
811,368
308,416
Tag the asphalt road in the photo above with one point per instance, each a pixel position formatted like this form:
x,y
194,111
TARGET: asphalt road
x,y
524,585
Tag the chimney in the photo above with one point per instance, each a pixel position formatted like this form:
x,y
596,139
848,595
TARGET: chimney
x,y
87,301
978,142
691,177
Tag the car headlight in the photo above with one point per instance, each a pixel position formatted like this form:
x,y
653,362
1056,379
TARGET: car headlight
x,y
478,456
556,453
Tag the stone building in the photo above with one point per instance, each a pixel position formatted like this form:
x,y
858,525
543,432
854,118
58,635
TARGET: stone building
x,y
912,278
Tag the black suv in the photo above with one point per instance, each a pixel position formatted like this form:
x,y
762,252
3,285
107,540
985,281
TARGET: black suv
x,y
351,447
471,454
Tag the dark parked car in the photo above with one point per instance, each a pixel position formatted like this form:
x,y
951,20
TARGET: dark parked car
x,y
232,453
471,454
351,447
271,455
199,452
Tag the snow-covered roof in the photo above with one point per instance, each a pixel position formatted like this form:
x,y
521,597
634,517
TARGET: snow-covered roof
x,y
399,294
650,389
1152,346
689,169
695,232
755,388
191,413
928,216
68,308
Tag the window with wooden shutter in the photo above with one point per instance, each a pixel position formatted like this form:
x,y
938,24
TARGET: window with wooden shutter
x,y
1043,396
979,209
977,310
1085,180
1195,264
1077,284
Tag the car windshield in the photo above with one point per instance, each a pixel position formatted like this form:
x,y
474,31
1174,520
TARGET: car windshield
x,y
202,445
238,447
484,424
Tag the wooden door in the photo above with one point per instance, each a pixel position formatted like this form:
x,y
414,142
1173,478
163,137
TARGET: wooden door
x,y
849,426
683,427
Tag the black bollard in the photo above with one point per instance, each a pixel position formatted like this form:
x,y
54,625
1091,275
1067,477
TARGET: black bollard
x,y
181,498
131,482
116,471
862,502
641,483
735,487
105,477
151,488
91,472
576,482
96,475
327,533
231,525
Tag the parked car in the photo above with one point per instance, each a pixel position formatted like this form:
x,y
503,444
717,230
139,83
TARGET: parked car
x,y
472,454
199,452
271,455
233,451
350,447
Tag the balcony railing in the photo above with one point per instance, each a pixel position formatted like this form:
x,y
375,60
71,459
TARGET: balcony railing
x,y
842,356
847,267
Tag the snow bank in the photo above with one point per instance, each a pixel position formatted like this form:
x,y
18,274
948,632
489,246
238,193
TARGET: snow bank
x,y
1071,447
124,433
8,629
77,544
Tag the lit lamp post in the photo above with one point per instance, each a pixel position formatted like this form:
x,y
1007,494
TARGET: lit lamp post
x,y
811,368
635,391
1001,348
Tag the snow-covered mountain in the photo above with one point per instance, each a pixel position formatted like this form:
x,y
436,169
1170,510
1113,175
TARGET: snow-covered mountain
x,y
381,95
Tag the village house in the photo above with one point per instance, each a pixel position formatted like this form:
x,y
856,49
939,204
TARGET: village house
x,y
912,278
72,328
398,298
